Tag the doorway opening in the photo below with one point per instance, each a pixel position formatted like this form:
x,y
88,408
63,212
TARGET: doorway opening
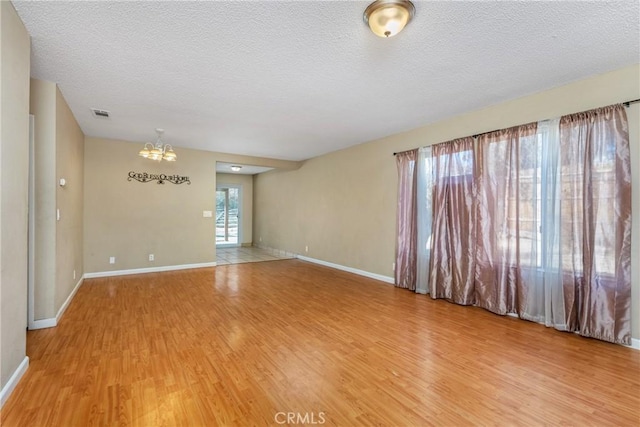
x,y
228,210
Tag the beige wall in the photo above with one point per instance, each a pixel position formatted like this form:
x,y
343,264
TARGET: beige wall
x,y
14,175
246,182
130,219
59,152
343,205
43,107
69,236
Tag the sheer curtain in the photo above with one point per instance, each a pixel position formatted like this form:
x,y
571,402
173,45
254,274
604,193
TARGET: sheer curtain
x,y
554,215
424,172
518,246
534,220
545,300
453,225
406,221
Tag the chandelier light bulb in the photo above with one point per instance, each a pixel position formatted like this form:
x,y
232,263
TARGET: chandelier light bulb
x,y
158,151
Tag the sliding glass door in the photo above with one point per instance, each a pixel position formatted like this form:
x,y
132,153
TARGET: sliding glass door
x,y
228,207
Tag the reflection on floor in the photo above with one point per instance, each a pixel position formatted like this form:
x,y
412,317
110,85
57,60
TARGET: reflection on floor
x,y
241,255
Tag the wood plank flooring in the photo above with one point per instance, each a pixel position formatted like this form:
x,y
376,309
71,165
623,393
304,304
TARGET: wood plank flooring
x,y
246,344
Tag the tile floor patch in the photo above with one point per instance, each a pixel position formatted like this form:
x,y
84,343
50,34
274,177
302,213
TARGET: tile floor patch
x,y
240,255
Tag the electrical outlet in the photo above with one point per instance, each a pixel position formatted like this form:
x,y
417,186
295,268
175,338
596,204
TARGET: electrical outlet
x,y
112,260
151,257
260,239
74,275
393,266
306,248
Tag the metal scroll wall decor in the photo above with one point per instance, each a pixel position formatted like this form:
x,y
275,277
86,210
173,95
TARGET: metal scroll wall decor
x,y
160,177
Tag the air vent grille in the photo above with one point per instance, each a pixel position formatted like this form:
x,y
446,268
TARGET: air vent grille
x,y
100,114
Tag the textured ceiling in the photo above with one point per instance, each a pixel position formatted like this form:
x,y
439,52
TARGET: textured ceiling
x,y
293,80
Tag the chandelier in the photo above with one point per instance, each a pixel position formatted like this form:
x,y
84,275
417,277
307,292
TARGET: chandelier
x,y
158,151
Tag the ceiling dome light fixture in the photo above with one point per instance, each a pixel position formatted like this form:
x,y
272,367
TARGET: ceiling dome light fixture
x,y
386,18
236,168
158,151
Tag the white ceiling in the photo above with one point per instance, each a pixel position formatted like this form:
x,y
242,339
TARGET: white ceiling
x,y
293,80
222,167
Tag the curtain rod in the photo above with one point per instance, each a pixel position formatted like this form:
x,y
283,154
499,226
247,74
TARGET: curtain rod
x,y
400,152
625,103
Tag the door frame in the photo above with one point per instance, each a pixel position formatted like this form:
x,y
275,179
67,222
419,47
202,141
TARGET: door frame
x,y
239,188
31,228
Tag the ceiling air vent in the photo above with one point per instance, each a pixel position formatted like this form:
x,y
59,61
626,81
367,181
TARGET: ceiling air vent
x,y
100,114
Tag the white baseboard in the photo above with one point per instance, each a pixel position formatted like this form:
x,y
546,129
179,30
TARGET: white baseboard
x,y
375,276
635,344
147,270
68,300
53,321
43,323
13,381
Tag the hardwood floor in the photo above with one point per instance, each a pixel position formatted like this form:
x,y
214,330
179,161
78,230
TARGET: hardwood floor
x,y
247,344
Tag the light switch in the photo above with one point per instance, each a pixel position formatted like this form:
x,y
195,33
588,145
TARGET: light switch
x,y
207,214
58,214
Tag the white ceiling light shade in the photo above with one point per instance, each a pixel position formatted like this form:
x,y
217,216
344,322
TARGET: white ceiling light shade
x,y
158,151
236,168
169,155
386,18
